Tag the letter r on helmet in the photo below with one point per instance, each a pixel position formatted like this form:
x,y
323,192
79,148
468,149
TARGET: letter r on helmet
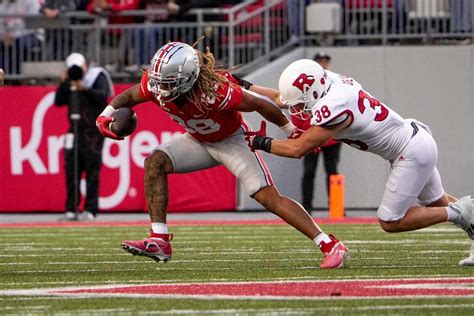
x,y
303,82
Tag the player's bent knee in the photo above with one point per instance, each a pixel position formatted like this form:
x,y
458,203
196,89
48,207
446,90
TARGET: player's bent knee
x,y
390,227
267,197
158,160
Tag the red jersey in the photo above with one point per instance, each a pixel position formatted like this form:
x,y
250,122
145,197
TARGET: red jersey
x,y
221,121
118,6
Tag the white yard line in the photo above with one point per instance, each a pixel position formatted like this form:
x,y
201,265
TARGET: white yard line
x,y
302,311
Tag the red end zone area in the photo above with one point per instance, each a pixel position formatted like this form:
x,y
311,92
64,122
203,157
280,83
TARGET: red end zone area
x,y
291,290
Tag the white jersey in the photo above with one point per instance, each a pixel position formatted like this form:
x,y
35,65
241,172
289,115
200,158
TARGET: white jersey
x,y
375,127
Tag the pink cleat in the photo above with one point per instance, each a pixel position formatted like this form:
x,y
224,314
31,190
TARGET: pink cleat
x,y
334,254
156,247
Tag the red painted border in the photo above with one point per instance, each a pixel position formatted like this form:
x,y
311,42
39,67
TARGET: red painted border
x,y
358,220
460,287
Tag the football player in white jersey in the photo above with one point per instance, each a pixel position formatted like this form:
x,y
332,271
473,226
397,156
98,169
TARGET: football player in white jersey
x,y
343,110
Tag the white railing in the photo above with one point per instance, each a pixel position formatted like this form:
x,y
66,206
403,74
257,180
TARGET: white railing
x,y
378,22
246,34
237,36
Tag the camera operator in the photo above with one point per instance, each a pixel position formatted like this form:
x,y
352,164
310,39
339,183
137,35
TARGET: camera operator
x,y
85,91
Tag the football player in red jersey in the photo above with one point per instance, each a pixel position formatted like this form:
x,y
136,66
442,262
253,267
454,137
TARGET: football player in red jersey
x,y
207,103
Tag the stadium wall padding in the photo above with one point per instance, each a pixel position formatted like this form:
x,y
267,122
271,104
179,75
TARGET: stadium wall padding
x,y
32,167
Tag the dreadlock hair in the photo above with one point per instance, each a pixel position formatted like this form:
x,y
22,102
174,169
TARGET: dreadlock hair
x,y
209,78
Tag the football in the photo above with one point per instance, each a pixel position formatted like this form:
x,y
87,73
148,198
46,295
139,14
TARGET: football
x,y
125,122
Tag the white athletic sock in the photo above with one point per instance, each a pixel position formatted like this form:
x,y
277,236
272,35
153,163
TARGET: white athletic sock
x,y
322,237
453,214
159,228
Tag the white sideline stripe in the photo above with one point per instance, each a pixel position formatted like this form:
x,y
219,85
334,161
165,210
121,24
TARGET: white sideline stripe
x,y
301,311
172,268
246,311
263,279
437,230
229,297
24,307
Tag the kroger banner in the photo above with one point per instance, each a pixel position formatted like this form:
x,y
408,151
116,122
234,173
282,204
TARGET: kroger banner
x,y
32,178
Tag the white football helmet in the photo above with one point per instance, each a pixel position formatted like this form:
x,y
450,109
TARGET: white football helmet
x,y
301,84
173,71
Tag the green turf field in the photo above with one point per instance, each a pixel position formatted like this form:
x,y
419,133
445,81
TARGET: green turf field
x,y
33,258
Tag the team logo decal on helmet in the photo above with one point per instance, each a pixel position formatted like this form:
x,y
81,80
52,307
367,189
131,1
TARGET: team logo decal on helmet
x,y
303,82
173,71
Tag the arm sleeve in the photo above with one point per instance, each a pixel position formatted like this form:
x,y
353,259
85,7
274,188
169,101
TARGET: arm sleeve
x,y
63,93
99,90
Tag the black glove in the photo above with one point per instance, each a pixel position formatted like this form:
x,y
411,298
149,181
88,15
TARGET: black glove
x,y
258,140
262,143
243,83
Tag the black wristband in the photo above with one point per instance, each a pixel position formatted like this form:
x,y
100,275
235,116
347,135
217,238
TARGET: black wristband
x,y
243,83
246,84
262,143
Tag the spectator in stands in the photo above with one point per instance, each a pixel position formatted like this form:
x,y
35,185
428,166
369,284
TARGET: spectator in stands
x,y
462,16
294,9
148,38
120,38
2,76
56,38
16,42
53,8
182,7
100,6
330,150
85,91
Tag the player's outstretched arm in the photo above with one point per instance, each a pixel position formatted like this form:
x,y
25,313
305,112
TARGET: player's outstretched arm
x,y
252,102
312,138
129,98
270,93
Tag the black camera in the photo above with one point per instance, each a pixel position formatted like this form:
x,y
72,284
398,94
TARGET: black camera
x,y
75,73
